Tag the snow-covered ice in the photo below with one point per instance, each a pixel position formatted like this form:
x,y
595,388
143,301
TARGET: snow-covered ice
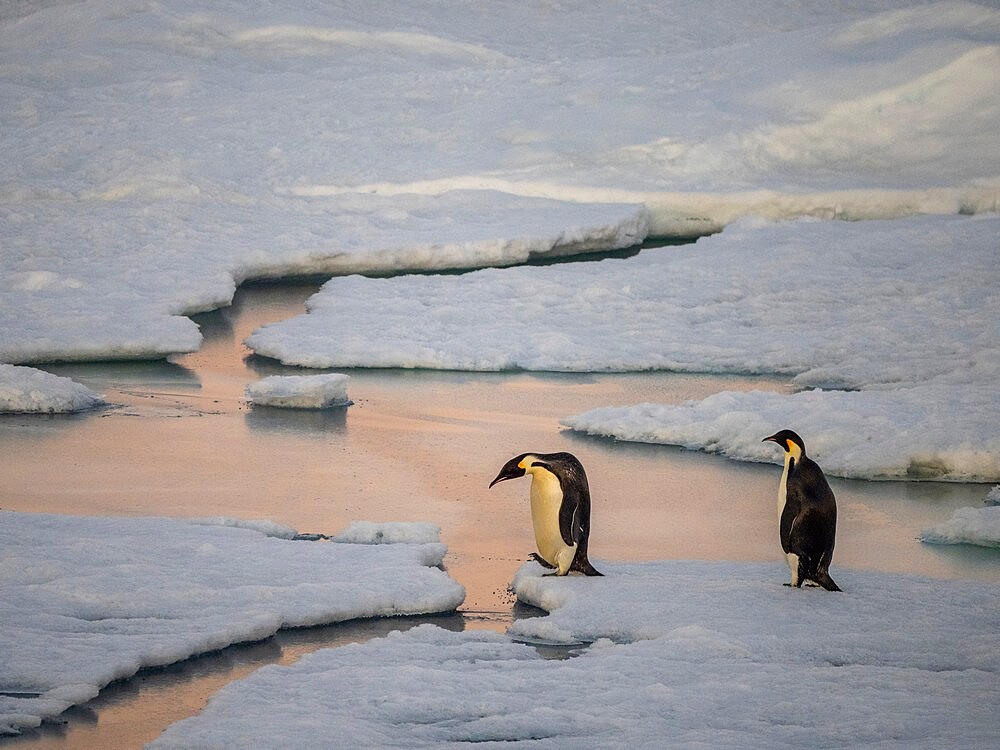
x,y
938,432
832,303
979,526
87,601
687,654
300,391
29,390
157,155
748,607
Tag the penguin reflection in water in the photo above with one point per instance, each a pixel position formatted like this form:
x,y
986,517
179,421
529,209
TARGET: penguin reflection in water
x,y
560,509
807,514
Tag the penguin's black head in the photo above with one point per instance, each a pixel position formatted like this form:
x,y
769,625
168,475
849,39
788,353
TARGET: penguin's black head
x,y
562,465
513,469
786,439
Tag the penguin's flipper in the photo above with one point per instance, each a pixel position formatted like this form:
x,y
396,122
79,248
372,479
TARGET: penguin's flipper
x,y
789,514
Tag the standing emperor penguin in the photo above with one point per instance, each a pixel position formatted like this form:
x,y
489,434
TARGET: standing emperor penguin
x,y
807,514
560,508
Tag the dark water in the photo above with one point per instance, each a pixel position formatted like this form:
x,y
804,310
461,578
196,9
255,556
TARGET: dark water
x,y
416,446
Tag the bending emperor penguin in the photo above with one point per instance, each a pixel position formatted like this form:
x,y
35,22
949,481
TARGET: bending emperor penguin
x,y
560,508
807,514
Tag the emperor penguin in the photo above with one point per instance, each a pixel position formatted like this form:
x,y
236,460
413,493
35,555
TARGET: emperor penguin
x,y
560,509
807,514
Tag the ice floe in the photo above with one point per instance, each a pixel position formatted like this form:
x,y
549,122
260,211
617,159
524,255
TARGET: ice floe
x,y
87,601
925,432
831,303
684,654
29,390
979,526
300,391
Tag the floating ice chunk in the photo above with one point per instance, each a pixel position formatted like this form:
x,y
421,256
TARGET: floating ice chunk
x,y
27,390
791,298
993,496
720,655
367,532
300,391
90,600
979,526
935,431
746,605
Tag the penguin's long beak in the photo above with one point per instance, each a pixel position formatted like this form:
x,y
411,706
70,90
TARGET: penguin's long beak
x,y
510,470
772,438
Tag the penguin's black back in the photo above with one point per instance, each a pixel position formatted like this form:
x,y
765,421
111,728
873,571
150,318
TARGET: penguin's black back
x,y
809,520
574,513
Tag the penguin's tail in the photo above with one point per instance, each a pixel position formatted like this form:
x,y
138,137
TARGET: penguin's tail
x,y
582,565
824,580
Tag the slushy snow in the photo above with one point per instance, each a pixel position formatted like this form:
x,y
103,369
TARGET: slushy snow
x,y
300,391
87,601
31,391
683,654
979,526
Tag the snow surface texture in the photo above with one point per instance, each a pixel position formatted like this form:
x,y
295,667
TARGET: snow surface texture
x,y
300,391
905,310
967,526
90,600
687,654
155,155
27,390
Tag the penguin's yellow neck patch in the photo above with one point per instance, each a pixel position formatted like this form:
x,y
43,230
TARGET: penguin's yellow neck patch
x,y
526,462
794,451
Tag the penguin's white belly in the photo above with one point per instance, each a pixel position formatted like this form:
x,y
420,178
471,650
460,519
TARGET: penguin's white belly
x,y
782,491
791,558
546,499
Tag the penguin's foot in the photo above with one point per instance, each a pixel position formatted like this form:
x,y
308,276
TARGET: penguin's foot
x,y
826,582
541,561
